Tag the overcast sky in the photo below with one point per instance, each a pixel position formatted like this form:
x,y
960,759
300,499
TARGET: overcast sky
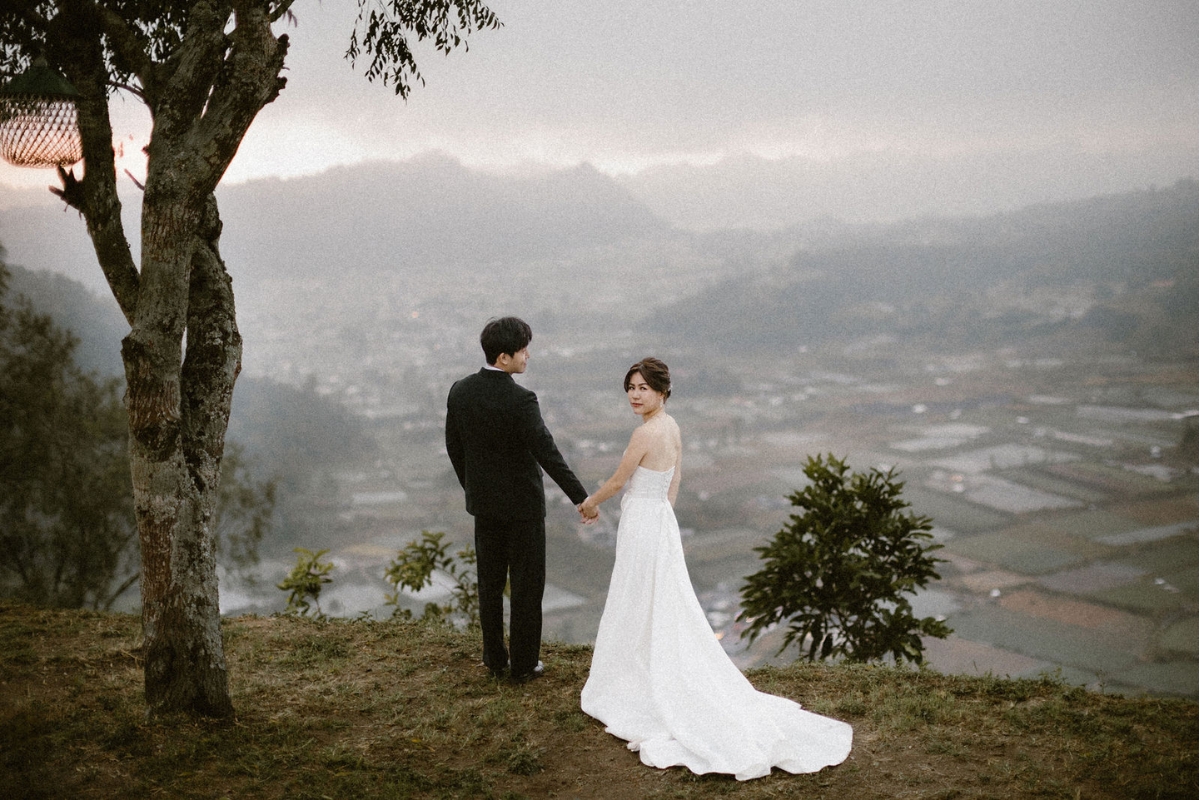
x,y
1100,93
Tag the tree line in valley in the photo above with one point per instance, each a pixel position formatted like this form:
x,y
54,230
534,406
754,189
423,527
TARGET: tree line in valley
x,y
66,509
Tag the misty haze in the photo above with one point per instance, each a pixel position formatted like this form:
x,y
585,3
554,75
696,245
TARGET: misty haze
x,y
1031,374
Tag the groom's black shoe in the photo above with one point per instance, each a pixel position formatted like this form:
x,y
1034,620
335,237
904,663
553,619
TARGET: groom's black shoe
x,y
498,674
534,673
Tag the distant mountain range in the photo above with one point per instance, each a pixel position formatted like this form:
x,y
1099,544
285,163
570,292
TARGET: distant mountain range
x,y
1119,268
430,211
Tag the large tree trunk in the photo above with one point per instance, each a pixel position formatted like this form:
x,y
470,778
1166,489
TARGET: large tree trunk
x,y
178,413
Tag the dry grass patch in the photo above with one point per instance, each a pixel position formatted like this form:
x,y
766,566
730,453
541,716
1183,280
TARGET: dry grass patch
x,y
346,709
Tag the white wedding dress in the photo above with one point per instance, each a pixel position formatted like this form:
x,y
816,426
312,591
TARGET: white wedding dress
x,y
661,680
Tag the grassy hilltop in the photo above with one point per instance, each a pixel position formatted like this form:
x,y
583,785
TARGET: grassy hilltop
x,y
343,709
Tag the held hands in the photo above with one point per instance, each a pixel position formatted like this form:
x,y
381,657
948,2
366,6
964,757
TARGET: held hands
x,y
588,512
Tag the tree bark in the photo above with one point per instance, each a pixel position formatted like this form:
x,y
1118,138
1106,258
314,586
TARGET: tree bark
x,y
185,663
184,658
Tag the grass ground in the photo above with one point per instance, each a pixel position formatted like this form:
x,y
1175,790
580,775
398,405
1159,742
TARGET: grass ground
x,y
341,709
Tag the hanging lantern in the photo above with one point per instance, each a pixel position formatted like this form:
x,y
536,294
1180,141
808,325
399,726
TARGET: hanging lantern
x,y
38,120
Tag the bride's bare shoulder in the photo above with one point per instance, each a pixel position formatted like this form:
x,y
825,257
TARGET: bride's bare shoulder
x,y
671,430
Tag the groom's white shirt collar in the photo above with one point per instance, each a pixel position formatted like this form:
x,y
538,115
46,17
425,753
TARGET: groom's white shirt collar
x,y
492,368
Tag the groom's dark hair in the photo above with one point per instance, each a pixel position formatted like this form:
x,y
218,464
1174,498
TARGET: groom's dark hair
x,y
504,335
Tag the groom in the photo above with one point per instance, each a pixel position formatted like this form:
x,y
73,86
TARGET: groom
x,y
499,446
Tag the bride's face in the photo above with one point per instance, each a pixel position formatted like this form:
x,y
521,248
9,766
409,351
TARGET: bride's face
x,y
642,399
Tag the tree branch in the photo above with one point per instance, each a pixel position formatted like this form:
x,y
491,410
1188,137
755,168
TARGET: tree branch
x,y
31,16
126,47
213,358
184,81
74,48
248,81
385,30
130,581
283,9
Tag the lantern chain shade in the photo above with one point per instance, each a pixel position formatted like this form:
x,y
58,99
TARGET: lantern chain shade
x,y
39,126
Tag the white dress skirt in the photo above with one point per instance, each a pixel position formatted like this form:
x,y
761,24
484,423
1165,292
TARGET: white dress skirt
x,y
660,679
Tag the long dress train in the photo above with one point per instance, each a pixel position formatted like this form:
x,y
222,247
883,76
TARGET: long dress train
x,y
660,679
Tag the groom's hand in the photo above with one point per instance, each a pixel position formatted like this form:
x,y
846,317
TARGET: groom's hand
x,y
584,517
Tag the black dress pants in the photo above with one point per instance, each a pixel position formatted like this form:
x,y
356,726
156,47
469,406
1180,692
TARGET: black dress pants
x,y
513,552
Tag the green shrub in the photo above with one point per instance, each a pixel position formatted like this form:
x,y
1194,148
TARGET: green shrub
x,y
305,582
413,569
840,574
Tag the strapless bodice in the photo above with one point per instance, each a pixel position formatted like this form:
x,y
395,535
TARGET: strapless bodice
x,y
649,483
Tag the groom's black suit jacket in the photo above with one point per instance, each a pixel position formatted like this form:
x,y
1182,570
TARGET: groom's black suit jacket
x,y
499,446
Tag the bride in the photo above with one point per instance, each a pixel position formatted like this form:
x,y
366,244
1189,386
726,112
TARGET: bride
x,y
659,677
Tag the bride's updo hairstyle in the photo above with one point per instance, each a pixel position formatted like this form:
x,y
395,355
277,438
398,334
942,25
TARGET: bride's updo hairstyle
x,y
654,372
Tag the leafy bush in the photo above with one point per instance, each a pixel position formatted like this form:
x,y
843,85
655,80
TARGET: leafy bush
x,y
413,569
305,582
841,573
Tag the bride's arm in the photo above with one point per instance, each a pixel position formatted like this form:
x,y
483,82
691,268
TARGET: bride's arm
x,y
673,491
639,444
